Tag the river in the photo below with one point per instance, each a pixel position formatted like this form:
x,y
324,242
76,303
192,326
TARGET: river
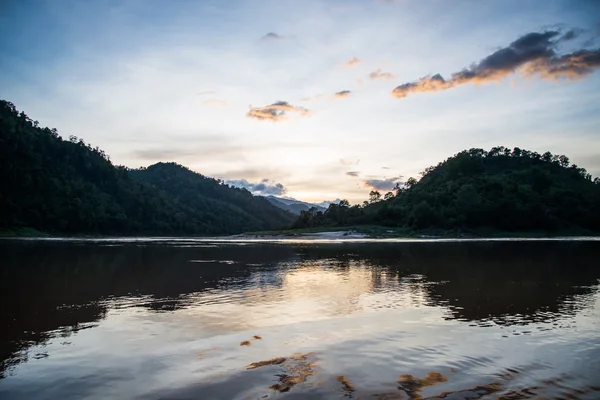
x,y
294,319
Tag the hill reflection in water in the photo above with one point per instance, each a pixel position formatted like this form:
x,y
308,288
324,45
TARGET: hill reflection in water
x,y
53,290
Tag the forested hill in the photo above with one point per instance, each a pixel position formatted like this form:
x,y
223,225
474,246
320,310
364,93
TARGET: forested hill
x,y
222,204
66,186
501,189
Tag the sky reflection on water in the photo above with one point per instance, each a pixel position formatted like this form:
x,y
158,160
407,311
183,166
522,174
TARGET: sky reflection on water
x,y
155,320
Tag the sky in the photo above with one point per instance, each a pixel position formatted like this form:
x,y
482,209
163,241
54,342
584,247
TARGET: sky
x,y
315,100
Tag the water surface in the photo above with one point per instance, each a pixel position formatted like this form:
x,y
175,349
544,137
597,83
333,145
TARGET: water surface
x,y
214,319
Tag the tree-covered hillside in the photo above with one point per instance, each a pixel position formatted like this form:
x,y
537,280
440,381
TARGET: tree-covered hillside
x,y
501,189
235,209
66,186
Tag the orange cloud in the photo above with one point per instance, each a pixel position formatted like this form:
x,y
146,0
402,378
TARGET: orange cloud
x,y
275,112
427,84
381,75
352,62
532,54
570,66
343,94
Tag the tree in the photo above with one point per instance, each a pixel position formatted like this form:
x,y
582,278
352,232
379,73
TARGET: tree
x,y
410,183
547,157
424,215
467,197
374,196
564,161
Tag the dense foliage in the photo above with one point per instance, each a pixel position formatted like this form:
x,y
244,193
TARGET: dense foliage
x,y
502,189
66,186
219,205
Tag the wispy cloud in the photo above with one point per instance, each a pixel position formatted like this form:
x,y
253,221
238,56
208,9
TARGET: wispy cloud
x,y
353,62
272,36
572,34
378,74
534,54
276,111
343,94
313,98
189,153
264,187
352,173
382,184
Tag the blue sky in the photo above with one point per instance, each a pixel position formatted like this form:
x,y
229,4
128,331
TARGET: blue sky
x,y
152,81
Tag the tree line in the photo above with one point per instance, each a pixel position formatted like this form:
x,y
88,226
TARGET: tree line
x,y
67,186
502,189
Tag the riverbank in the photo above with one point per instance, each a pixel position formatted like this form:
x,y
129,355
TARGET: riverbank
x,y
384,232
23,232
336,232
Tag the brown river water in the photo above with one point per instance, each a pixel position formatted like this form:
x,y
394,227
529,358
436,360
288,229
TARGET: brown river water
x,y
292,319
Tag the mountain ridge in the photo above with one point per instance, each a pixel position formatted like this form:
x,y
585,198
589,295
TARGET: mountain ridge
x,y
292,205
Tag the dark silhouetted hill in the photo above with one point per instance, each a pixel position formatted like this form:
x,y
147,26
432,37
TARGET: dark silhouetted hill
x,y
501,189
66,186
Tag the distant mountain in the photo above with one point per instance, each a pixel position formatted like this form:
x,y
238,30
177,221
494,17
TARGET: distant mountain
x,y
326,204
67,187
292,205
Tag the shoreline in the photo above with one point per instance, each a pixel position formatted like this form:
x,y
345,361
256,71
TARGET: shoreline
x,y
316,237
349,233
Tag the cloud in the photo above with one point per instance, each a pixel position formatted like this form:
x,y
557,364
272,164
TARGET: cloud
x,y
264,187
352,173
276,111
381,75
570,66
382,184
349,161
533,54
343,94
190,152
272,36
353,61
253,173
206,92
312,98
572,34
